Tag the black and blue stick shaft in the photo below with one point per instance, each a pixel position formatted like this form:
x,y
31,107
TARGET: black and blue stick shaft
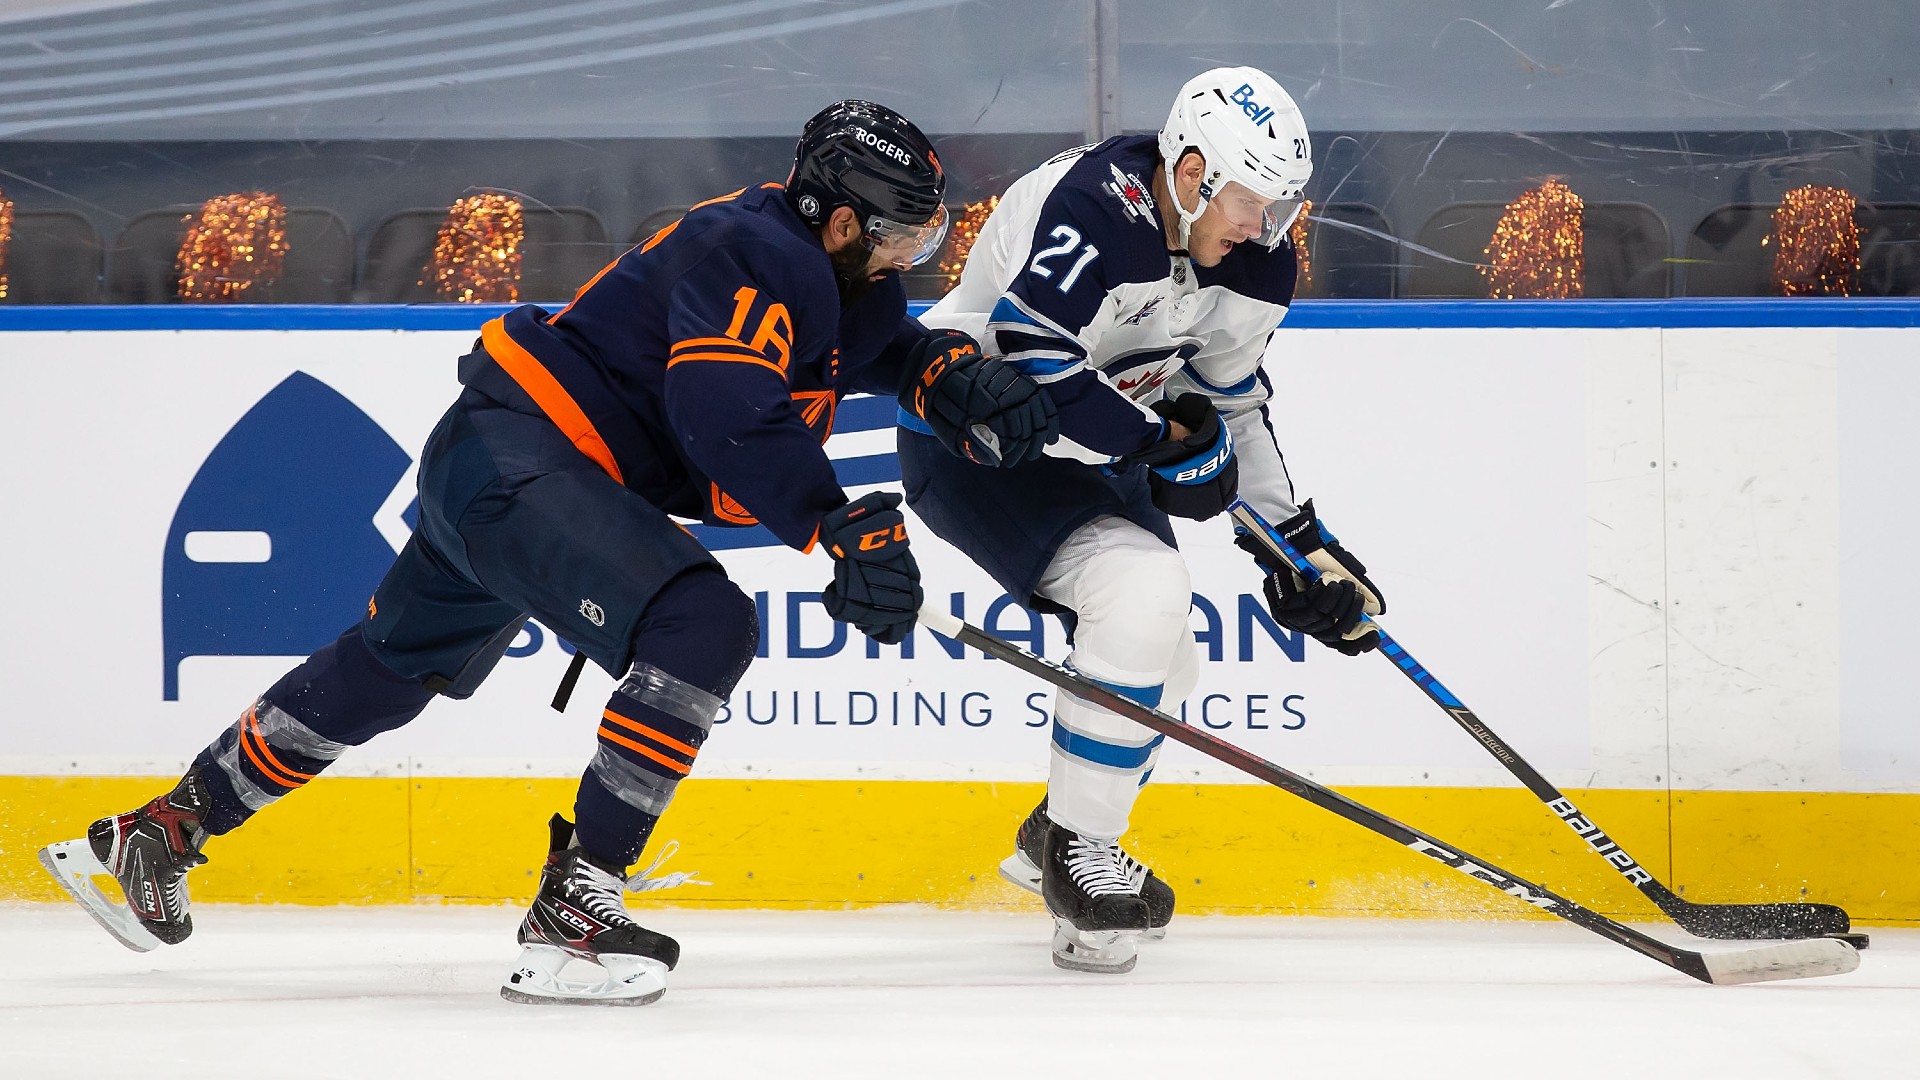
x,y
1720,921
1767,963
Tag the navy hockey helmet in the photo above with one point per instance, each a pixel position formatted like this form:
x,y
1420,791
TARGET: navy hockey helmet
x,y
866,156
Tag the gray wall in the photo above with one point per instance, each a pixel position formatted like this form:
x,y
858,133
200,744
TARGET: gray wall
x,y
408,69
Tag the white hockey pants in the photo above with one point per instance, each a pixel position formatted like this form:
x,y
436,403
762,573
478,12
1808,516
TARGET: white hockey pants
x,y
1132,594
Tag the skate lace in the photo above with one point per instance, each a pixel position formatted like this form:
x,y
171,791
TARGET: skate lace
x,y
177,894
1097,868
644,881
1135,870
598,892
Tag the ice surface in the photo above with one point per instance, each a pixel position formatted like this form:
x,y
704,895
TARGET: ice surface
x,y
413,992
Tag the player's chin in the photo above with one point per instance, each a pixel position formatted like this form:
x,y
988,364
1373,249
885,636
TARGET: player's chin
x,y
1214,253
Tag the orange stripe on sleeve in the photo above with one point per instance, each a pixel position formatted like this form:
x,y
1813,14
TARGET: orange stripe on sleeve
x,y
704,342
582,290
664,740
547,393
738,358
728,197
659,236
615,737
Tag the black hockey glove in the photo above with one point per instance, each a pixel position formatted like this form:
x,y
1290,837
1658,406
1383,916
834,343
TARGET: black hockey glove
x,y
1195,477
980,408
1329,609
876,583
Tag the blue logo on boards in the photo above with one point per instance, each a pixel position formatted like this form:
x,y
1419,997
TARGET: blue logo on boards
x,y
309,470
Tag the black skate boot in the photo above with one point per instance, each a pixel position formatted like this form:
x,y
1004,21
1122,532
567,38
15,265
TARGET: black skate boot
x,y
1023,869
1098,915
579,915
148,851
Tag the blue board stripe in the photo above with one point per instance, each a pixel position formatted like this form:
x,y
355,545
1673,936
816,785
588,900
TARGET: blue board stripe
x,y
1306,315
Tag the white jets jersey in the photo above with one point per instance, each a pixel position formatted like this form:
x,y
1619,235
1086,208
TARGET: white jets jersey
x,y
1071,281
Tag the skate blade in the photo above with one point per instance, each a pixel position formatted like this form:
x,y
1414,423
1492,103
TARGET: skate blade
x,y
1102,952
627,980
1017,869
73,864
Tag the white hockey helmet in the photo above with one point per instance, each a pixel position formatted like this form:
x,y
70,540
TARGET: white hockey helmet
x,y
1251,133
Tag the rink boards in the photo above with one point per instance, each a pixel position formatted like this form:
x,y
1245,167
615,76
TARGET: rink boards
x,y
1650,544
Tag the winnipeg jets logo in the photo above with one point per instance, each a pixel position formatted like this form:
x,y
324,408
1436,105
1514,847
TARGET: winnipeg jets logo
x,y
1146,309
593,613
1134,197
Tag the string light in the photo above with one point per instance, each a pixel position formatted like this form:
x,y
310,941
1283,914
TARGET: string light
x,y
476,256
1538,250
1297,236
237,241
960,240
1816,244
6,239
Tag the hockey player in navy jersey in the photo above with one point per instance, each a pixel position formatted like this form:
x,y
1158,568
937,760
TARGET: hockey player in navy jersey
x,y
695,377
1139,281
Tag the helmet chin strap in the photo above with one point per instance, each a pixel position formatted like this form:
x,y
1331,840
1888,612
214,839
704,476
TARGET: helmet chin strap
x,y
1183,222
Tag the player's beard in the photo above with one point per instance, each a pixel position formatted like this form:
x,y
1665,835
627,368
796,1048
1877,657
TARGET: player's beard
x,y
850,270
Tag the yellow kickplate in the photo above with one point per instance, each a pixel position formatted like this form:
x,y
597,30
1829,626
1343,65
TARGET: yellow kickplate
x,y
840,843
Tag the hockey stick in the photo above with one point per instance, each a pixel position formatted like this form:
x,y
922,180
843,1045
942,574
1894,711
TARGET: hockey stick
x,y
1767,963
1790,920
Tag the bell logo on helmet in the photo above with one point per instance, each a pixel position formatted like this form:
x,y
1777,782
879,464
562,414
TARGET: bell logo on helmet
x,y
1255,111
809,205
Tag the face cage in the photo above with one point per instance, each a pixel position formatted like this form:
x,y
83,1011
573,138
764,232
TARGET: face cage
x,y
886,238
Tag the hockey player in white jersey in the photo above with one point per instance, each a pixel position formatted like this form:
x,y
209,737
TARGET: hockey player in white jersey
x,y
1139,281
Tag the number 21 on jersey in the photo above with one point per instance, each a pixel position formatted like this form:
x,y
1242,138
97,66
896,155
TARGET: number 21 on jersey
x,y
1069,240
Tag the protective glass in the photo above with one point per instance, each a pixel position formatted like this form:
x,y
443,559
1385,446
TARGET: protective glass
x,y
908,244
1268,221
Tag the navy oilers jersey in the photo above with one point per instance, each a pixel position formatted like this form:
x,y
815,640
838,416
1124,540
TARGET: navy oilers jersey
x,y
702,368
1071,281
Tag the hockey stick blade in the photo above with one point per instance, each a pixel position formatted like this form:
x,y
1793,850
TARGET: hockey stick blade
x,y
1786,921
1792,960
1786,960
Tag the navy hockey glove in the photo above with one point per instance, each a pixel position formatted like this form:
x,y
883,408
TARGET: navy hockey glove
x,y
1195,477
876,583
980,408
1328,610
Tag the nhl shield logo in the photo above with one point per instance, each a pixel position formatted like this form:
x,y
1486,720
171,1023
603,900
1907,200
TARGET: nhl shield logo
x,y
593,613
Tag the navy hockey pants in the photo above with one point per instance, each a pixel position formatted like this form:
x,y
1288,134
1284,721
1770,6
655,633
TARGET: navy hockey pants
x,y
515,521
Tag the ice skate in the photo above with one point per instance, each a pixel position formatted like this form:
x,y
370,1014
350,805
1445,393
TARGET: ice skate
x,y
148,851
578,915
1023,869
1098,915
